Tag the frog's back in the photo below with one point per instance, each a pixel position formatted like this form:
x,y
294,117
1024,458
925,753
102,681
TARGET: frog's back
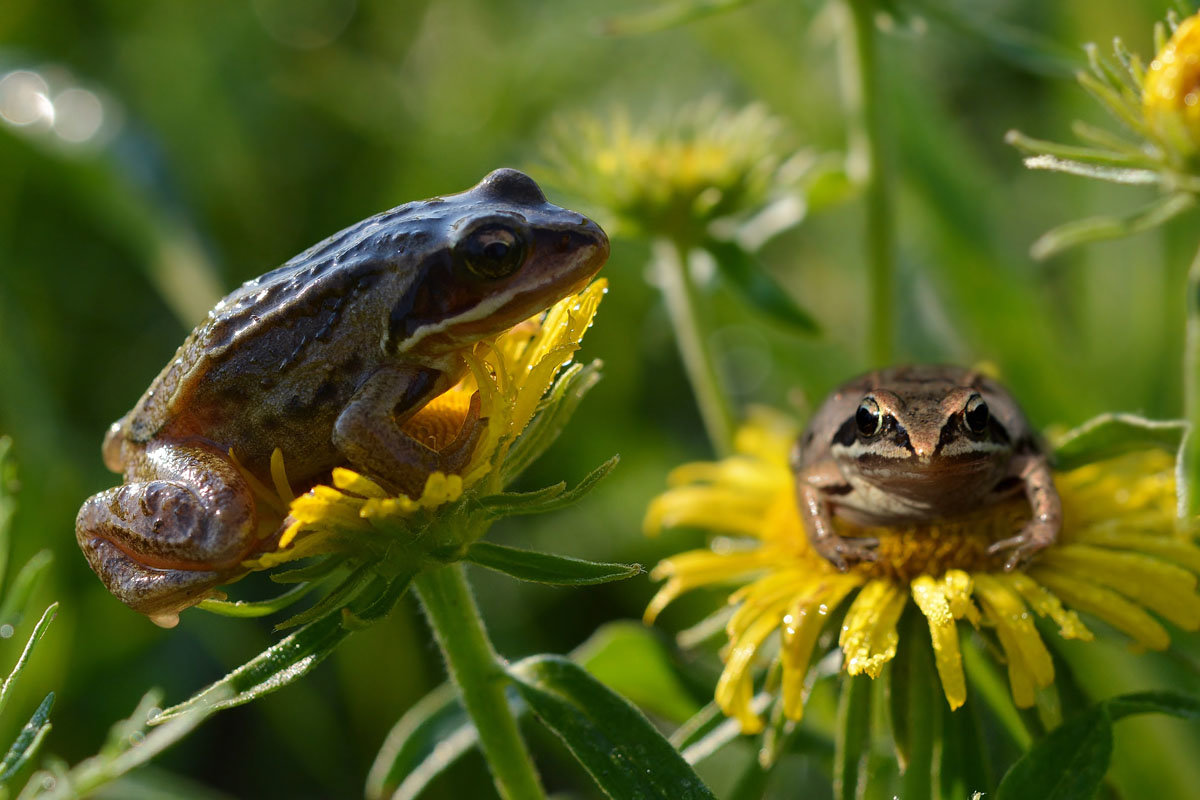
x,y
259,338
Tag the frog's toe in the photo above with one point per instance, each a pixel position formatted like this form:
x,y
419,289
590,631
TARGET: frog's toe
x,y
455,456
845,551
1022,548
158,593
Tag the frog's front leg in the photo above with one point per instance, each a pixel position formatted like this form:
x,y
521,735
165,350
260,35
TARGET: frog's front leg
x,y
180,526
1041,531
813,486
368,430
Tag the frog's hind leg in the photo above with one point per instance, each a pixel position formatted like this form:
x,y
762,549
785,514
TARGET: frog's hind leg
x,y
179,528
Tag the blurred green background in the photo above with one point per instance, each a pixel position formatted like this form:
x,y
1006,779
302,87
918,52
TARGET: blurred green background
x,y
232,135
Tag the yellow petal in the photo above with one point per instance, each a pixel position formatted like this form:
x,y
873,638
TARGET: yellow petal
x,y
350,481
1163,588
930,597
958,588
1047,605
735,686
279,477
711,507
1105,604
869,636
1029,662
802,625
1121,535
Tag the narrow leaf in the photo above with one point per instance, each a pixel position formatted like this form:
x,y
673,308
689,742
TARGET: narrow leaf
x,y
551,498
623,752
1094,229
377,602
28,740
1020,47
15,602
1085,155
853,736
39,631
1110,435
1136,177
337,598
1177,705
529,565
758,288
282,663
257,608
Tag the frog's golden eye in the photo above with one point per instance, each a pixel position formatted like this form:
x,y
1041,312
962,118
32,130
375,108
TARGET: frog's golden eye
x,y
976,414
868,419
492,251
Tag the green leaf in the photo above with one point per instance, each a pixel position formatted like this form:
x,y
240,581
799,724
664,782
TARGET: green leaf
x,y
964,764
284,662
1070,762
256,608
1072,153
28,740
23,586
852,744
560,404
630,659
756,286
913,698
39,631
428,740
311,572
381,599
1020,47
529,565
1110,435
623,752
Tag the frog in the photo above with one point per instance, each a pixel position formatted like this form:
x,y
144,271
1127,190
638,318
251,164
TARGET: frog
x,y
324,358
916,444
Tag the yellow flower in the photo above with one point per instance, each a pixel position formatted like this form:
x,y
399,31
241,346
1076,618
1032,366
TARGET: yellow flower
x,y
1118,558
672,178
512,374
1171,89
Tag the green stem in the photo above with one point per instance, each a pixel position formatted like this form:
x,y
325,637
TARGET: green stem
x,y
868,163
1189,491
670,259
477,672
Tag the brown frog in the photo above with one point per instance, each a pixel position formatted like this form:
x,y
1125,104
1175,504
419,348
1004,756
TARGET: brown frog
x,y
916,444
325,358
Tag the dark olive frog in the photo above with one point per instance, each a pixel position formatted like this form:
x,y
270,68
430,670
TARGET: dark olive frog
x,y
325,358
917,444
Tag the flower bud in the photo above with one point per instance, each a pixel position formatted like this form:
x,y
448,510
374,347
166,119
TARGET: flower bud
x,y
1171,90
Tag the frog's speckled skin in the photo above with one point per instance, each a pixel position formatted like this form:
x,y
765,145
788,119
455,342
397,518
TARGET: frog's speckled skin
x,y
923,463
324,358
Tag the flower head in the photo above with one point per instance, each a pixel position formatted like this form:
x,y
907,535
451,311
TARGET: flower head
x,y
1171,89
1118,558
671,179
512,375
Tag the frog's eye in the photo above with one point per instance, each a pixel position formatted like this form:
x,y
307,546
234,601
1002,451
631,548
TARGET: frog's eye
x,y
976,414
867,419
492,251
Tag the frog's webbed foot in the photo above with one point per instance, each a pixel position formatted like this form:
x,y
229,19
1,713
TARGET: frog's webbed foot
x,y
162,544
1042,531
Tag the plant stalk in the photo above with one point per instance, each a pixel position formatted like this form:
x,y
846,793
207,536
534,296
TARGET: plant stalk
x,y
675,281
1189,477
476,670
868,162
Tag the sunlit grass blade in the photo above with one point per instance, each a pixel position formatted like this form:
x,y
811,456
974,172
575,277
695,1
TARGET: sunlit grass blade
x,y
1095,229
12,610
257,608
1111,435
547,568
28,740
39,631
615,743
1133,177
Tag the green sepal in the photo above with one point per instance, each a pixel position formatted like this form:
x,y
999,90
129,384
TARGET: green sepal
x,y
310,572
1071,761
547,568
1110,435
551,498
755,285
256,608
552,417
624,753
337,598
1101,228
